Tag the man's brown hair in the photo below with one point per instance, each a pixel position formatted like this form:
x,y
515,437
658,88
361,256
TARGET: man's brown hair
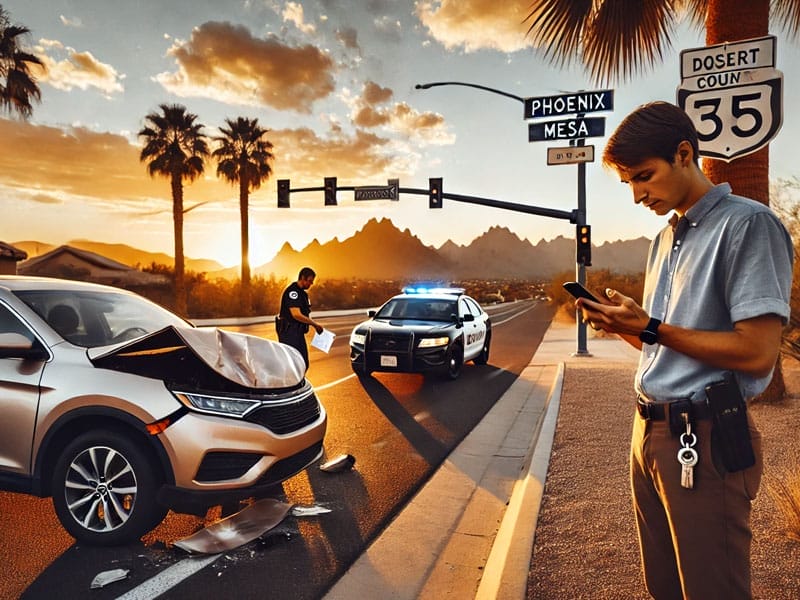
x,y
653,130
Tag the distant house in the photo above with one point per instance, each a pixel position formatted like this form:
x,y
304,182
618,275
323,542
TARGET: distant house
x,y
9,257
71,263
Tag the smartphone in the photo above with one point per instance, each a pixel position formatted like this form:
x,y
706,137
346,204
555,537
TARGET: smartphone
x,y
577,290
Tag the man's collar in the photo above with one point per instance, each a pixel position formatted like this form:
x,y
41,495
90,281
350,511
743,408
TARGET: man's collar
x,y
703,206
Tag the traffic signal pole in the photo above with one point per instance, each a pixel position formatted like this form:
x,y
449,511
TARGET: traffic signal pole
x,y
580,267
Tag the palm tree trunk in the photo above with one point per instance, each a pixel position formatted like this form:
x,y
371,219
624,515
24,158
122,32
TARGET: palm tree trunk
x,y
177,219
730,21
244,219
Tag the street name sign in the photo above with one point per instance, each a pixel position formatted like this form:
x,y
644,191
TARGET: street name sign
x,y
567,129
734,96
378,192
570,155
568,104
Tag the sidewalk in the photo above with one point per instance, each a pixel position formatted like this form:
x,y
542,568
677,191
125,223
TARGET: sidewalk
x,y
468,533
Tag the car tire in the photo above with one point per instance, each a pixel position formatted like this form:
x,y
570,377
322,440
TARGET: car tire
x,y
483,357
454,362
104,489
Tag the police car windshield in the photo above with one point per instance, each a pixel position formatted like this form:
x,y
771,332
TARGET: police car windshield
x,y
427,309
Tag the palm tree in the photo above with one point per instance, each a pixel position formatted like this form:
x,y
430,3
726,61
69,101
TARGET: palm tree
x,y
243,157
17,85
175,147
617,38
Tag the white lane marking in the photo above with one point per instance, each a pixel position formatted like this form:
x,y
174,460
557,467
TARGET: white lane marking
x,y
325,386
514,316
168,578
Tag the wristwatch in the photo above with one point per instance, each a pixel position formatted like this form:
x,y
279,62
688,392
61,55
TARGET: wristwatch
x,y
650,333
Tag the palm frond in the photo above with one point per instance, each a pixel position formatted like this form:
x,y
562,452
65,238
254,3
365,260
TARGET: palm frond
x,y
786,13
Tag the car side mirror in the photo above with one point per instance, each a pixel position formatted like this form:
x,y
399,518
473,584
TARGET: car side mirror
x,y
16,345
468,317
371,313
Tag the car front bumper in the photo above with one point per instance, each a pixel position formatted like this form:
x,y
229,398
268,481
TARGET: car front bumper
x,y
416,360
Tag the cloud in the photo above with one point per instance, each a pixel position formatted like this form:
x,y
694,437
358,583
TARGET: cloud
x,y
225,62
54,165
389,29
71,21
477,24
301,153
399,118
369,117
66,69
56,162
293,13
45,199
375,94
425,127
348,38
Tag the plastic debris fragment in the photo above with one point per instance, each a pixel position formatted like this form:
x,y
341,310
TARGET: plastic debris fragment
x,y
104,578
343,462
309,511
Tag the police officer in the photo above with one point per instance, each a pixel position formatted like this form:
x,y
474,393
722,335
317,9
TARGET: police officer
x,y
293,319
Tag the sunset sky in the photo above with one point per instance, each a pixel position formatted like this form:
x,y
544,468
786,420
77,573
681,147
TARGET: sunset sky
x,y
334,81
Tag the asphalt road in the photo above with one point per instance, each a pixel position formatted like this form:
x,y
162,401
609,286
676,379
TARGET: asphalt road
x,y
399,428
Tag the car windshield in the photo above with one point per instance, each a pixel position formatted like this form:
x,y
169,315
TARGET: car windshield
x,y
427,309
98,318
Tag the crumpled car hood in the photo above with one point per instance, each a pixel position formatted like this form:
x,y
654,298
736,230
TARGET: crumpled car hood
x,y
208,359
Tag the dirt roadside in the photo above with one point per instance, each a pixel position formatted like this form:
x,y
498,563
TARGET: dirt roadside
x,y
585,545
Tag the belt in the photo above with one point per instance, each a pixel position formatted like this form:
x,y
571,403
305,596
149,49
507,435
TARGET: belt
x,y
659,411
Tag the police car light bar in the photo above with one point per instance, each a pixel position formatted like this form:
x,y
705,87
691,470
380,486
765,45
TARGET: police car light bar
x,y
419,289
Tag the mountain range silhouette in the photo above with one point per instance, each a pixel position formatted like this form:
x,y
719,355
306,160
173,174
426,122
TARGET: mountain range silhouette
x,y
379,250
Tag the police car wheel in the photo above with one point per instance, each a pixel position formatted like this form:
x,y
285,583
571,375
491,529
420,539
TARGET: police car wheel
x,y
455,362
483,357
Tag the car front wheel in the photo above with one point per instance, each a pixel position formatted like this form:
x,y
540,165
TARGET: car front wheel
x,y
455,362
104,489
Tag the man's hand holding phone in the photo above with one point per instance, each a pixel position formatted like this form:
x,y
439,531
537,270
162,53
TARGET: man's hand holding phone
x,y
577,290
580,292
616,314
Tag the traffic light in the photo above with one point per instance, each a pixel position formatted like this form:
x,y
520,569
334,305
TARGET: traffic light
x,y
435,192
283,193
330,191
583,240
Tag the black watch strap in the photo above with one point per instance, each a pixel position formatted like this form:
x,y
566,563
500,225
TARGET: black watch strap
x,y
650,333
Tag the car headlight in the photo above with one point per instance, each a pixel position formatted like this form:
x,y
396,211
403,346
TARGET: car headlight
x,y
433,342
358,339
218,405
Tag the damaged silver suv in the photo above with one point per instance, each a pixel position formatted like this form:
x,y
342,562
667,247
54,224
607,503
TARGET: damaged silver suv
x,y
119,409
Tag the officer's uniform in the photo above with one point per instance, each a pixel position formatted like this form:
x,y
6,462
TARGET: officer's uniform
x,y
291,331
729,259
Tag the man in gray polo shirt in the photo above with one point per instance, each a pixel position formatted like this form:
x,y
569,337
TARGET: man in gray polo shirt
x,y
716,298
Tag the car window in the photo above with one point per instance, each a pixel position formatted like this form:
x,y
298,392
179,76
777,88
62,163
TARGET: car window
x,y
90,319
10,323
473,307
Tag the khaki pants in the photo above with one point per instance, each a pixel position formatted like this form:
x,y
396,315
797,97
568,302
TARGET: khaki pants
x,y
695,544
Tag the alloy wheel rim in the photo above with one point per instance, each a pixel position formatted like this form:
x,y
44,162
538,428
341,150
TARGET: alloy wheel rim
x,y
100,489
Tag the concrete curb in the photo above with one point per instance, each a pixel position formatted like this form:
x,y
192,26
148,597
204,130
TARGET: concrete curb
x,y
506,573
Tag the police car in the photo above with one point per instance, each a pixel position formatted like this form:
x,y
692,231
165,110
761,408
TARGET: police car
x,y
422,330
